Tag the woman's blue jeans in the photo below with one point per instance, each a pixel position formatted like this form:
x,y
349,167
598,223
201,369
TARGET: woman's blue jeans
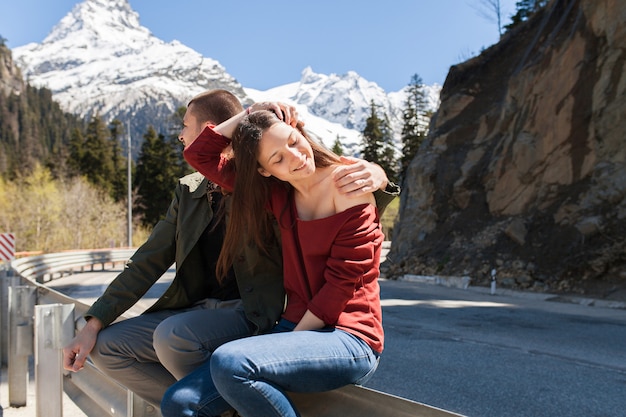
x,y
252,375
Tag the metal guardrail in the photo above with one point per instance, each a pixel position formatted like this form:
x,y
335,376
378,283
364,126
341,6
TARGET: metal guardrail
x,y
43,268
57,317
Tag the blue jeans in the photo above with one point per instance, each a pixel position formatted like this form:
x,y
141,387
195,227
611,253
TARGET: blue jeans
x,y
253,374
148,353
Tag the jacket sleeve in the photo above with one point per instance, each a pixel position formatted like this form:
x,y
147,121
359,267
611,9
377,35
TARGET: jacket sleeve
x,y
142,270
205,155
383,198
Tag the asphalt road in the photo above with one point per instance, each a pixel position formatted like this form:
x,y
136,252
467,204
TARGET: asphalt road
x,y
482,355
495,356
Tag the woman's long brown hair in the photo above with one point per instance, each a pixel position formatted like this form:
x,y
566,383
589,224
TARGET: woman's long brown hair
x,y
250,221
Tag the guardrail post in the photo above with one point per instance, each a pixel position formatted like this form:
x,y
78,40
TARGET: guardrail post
x,y
7,279
21,306
54,324
5,272
138,407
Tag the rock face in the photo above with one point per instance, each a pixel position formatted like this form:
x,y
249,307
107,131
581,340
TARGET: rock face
x,y
10,75
524,168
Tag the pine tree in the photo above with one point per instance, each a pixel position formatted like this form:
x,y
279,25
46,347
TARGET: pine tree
x,y
156,176
337,147
524,10
120,167
388,160
97,159
378,142
414,129
372,136
75,152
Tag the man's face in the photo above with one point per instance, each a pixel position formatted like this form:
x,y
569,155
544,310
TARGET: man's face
x,y
192,127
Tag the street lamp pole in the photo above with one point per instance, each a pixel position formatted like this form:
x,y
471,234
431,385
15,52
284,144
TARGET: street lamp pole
x,y
129,196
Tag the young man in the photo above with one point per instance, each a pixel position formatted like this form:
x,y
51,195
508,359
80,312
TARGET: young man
x,y
196,314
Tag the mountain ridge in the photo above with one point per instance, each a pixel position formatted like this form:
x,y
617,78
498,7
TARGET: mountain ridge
x,y
99,60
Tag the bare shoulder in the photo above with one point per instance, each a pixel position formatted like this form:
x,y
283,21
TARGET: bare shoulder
x,y
343,202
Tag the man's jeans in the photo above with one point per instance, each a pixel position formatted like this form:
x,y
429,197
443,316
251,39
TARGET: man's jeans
x,y
148,353
253,374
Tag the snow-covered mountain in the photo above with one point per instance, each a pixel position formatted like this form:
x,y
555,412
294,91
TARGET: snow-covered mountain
x,y
337,106
99,60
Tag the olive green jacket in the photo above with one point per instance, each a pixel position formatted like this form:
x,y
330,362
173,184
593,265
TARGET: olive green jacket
x,y
259,277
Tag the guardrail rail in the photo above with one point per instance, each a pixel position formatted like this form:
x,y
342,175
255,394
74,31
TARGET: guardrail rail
x,y
56,319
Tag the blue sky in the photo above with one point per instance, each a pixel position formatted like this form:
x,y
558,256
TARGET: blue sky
x,y
267,44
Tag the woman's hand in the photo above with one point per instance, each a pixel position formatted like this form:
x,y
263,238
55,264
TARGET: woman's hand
x,y
309,322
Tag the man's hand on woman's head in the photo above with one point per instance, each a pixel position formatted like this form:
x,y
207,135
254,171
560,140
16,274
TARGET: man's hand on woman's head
x,y
285,112
357,177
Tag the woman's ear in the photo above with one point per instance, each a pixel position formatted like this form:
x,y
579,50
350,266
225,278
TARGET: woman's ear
x,y
263,172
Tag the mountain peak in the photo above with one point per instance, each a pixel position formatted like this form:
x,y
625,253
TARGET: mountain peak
x,y
99,60
107,21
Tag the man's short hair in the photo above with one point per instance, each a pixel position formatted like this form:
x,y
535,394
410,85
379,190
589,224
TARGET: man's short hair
x,y
215,106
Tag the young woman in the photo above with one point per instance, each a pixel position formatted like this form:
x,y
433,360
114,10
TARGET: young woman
x,y
330,333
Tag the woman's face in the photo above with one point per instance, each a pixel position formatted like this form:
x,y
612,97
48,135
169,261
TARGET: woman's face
x,y
285,154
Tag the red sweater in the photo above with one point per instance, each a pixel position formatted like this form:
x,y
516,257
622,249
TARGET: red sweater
x,y
330,265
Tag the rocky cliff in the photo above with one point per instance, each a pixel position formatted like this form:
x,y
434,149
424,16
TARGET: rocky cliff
x,y
524,169
10,83
10,76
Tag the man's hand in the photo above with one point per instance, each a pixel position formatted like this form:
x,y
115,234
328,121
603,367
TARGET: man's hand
x,y
75,353
357,177
285,112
